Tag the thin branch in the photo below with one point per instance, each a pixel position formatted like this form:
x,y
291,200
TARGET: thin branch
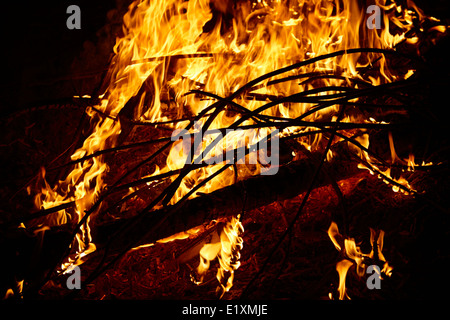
x,y
302,205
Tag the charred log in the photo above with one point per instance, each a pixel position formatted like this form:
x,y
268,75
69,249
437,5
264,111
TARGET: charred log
x,y
245,195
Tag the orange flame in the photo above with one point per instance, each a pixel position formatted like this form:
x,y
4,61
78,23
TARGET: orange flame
x,y
352,252
179,46
227,252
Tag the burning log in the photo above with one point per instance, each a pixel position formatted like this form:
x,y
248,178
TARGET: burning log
x,y
255,192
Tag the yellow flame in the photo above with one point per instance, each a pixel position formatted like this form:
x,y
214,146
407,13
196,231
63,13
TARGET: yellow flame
x,y
333,233
342,268
228,253
177,46
353,252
